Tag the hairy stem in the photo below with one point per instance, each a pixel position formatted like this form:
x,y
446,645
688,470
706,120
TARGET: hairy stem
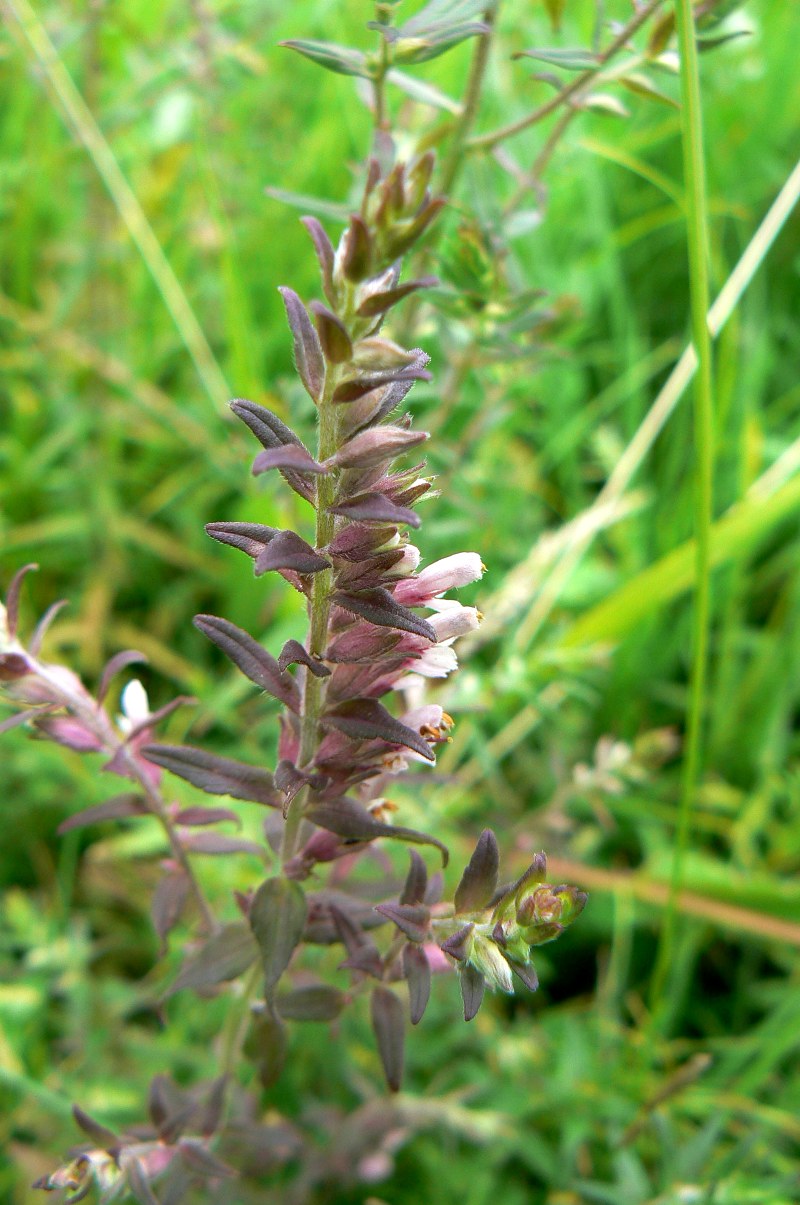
x,y
697,238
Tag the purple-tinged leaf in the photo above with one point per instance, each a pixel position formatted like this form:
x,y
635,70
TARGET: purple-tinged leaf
x,y
102,1137
12,597
170,1109
216,843
349,820
473,986
417,971
526,973
357,250
367,719
277,918
119,808
362,644
215,775
362,952
416,880
22,717
118,662
402,238
270,1047
293,653
290,780
333,334
356,387
138,1183
374,507
412,919
169,900
214,1107
254,661
72,733
13,666
479,880
289,456
379,606
317,1002
435,889
379,303
43,626
288,551
272,433
377,444
459,944
388,1025
156,717
339,59
250,538
325,255
201,1162
200,815
308,356
223,956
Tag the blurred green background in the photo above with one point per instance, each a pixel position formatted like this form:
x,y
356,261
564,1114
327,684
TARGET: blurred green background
x,y
115,449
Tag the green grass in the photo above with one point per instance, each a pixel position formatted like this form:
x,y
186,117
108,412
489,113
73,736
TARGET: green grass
x,y
114,450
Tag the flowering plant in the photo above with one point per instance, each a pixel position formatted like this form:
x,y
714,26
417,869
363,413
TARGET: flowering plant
x,y
354,711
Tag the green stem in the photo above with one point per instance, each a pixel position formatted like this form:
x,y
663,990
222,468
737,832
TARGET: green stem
x,y
455,154
697,238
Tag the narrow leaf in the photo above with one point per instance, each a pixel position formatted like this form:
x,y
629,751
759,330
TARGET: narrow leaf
x,y
288,551
247,654
139,1184
375,508
526,973
293,653
416,880
106,1139
340,59
200,816
473,986
270,1047
215,775
569,59
118,662
333,334
201,1161
250,538
367,719
417,971
42,627
288,456
277,918
479,880
325,255
379,606
272,433
388,1024
12,597
169,900
348,819
412,919
376,444
118,808
317,1002
379,303
216,843
223,956
307,350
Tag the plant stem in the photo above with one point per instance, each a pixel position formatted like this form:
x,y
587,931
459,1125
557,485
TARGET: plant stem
x,y
319,611
697,238
455,155
485,142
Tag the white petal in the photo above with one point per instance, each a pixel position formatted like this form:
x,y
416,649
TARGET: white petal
x,y
134,702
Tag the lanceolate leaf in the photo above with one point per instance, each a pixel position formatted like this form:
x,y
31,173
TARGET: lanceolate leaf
x,y
352,822
325,255
340,59
416,881
223,956
118,662
570,60
388,1024
216,775
375,508
169,899
293,653
380,607
288,551
272,433
379,303
367,719
277,918
377,444
319,1002
250,538
412,919
254,661
118,808
333,334
417,971
106,1139
307,350
479,880
269,1045
473,986
288,456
